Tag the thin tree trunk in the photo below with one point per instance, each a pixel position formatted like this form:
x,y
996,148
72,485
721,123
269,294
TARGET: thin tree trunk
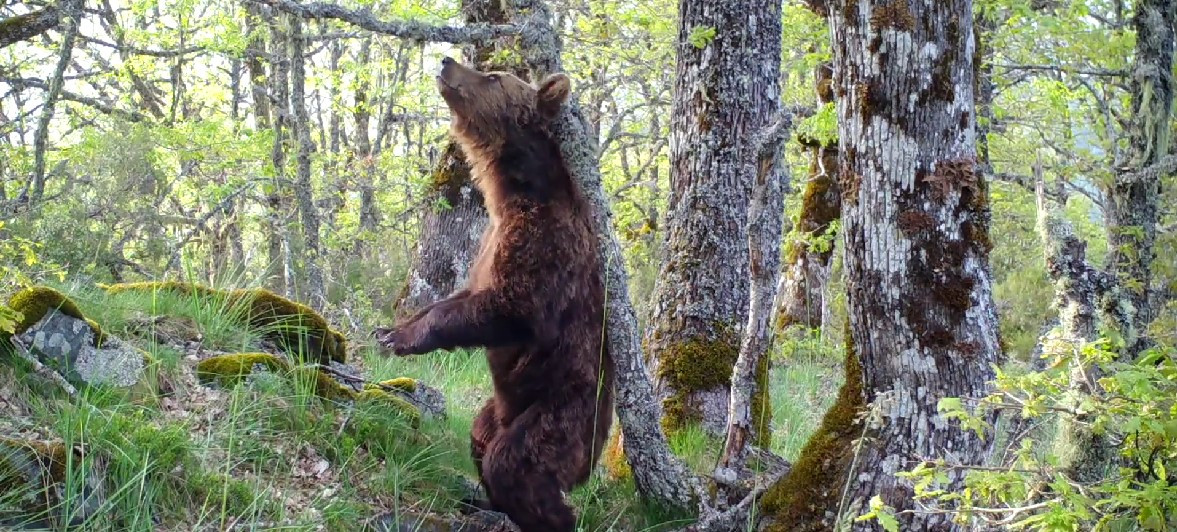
x,y
1132,200
316,292
278,200
923,325
807,265
71,15
723,92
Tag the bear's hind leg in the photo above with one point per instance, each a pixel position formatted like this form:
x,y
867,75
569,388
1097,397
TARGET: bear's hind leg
x,y
524,472
482,432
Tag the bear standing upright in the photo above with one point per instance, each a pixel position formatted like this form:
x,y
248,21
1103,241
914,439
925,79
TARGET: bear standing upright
x,y
534,299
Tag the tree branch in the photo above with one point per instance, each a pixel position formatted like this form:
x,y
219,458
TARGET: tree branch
x,y
1164,167
98,105
1100,72
28,25
475,33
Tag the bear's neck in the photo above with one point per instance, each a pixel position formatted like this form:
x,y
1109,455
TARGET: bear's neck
x,y
525,168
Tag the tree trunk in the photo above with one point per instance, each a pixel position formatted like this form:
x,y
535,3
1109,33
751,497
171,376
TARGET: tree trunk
x,y
71,16
278,200
806,271
455,217
316,293
916,219
1133,200
723,94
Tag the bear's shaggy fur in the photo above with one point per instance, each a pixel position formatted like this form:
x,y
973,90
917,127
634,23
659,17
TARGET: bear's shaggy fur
x,y
534,299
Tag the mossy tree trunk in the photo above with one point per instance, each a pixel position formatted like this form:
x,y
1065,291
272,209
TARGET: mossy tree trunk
x,y
916,219
1133,197
28,25
455,217
806,270
725,90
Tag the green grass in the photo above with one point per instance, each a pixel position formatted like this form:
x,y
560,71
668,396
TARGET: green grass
x,y
208,458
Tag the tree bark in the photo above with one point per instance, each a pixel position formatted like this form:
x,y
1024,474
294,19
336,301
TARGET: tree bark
x,y
724,91
806,270
1133,200
922,319
316,292
278,200
71,16
29,25
455,217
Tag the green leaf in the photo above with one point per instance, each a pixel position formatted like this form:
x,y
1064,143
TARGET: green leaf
x,y
701,36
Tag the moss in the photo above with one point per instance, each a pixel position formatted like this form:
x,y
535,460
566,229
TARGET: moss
x,y
230,369
52,457
404,384
914,221
294,326
36,302
895,15
324,386
800,500
219,491
694,365
614,461
391,399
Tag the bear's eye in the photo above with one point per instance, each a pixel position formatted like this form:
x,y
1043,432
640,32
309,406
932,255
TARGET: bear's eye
x,y
493,77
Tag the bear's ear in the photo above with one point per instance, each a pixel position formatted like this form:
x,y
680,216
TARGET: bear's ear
x,y
553,92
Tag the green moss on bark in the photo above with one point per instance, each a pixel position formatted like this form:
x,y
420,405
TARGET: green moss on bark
x,y
701,364
799,502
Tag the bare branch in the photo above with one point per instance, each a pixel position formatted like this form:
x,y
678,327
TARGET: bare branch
x,y
28,25
1099,72
475,33
98,105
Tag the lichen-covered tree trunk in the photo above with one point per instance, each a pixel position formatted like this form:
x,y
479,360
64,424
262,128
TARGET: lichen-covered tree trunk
x,y
723,93
916,219
806,269
1085,455
455,217
1133,199
71,15
316,292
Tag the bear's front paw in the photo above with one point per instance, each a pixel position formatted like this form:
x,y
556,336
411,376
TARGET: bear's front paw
x,y
395,340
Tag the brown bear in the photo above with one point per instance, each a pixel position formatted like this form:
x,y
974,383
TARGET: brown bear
x,y
535,299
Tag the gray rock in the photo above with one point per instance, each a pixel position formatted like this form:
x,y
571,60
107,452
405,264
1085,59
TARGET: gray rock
x,y
66,344
429,400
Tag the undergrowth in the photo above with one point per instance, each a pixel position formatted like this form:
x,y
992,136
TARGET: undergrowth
x,y
268,451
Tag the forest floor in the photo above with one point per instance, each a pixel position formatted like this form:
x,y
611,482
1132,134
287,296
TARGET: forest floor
x,y
269,454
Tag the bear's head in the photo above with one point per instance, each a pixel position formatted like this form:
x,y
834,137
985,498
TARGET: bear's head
x,y
489,108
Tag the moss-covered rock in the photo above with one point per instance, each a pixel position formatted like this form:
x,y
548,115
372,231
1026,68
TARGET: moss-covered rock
x,y
295,327
36,302
404,384
376,395
801,500
230,369
323,385
29,470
